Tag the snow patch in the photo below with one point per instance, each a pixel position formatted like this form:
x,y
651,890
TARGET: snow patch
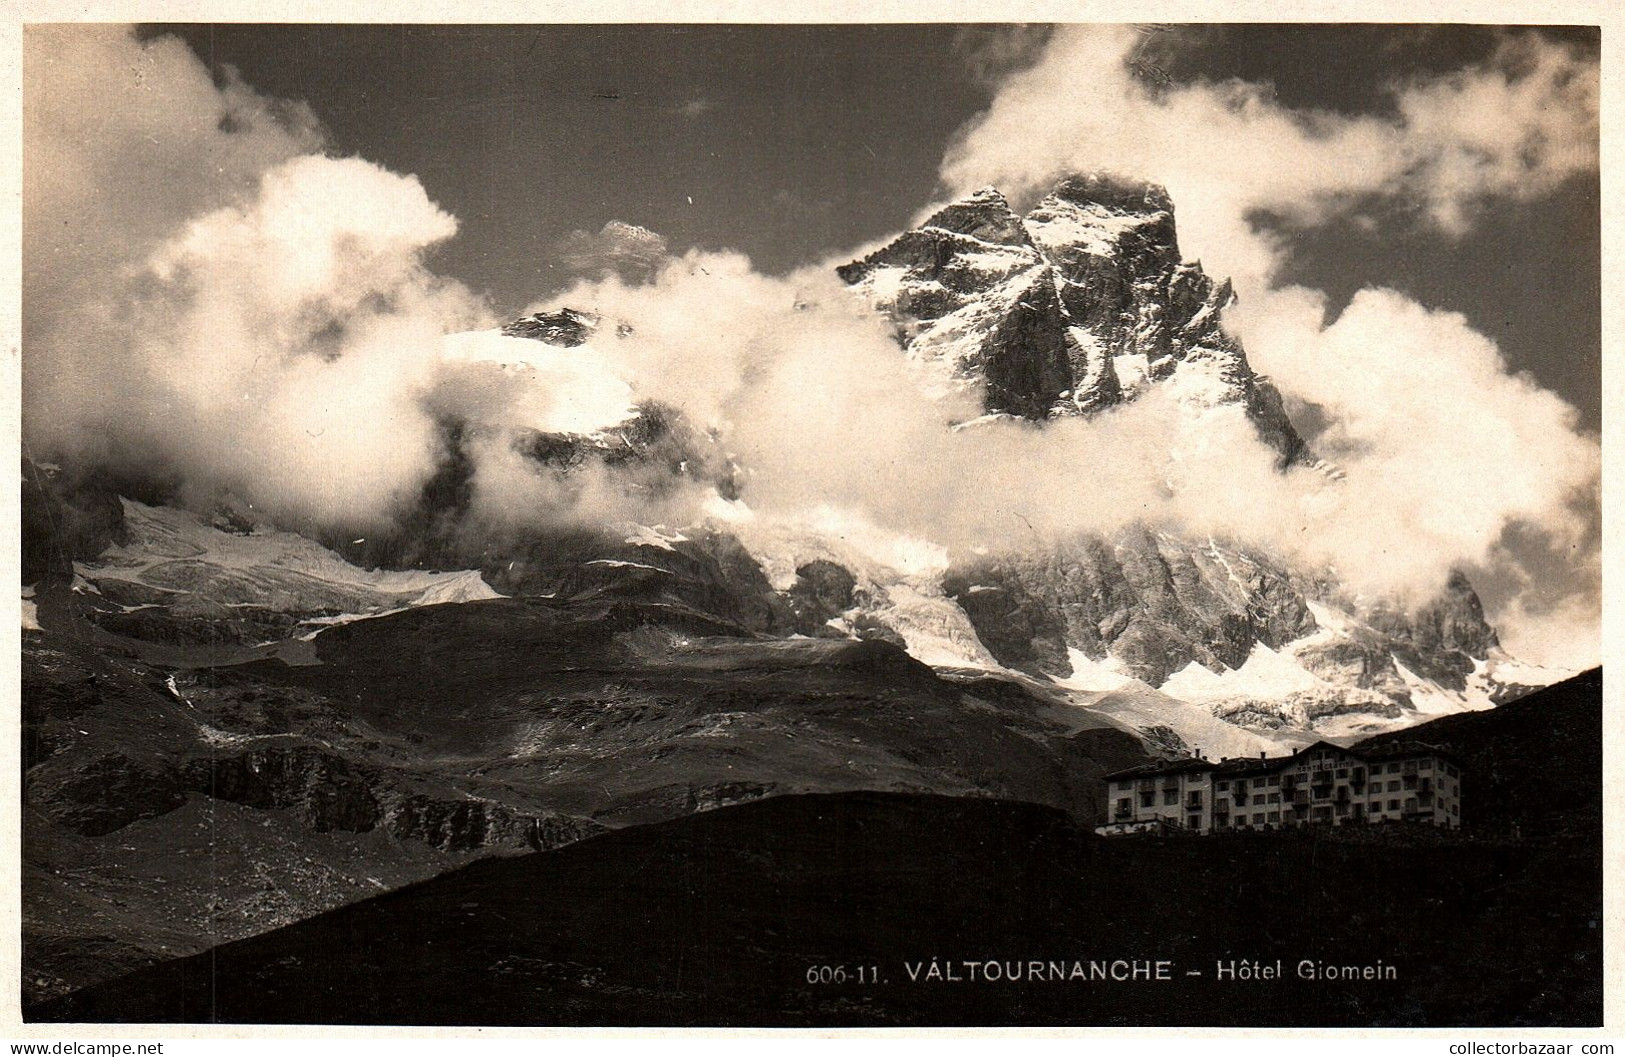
x,y
935,630
655,536
1058,225
1092,675
171,554
616,563
1266,675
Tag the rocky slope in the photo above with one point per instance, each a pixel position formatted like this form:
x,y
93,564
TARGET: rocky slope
x,y
1225,627
177,795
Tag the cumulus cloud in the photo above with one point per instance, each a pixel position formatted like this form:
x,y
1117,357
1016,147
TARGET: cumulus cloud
x,y
245,315
292,339
805,388
100,106
1516,125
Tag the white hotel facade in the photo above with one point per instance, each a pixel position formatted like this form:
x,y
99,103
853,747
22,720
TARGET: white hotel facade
x,y
1321,784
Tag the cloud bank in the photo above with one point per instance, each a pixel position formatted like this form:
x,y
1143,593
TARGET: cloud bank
x,y
209,300
254,317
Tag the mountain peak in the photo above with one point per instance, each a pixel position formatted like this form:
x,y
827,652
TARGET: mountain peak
x,y
1080,305
984,214
1114,191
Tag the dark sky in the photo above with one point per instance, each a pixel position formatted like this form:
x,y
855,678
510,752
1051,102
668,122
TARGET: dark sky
x,y
796,141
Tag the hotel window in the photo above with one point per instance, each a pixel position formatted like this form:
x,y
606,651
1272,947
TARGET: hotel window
x,y
1275,798
1275,816
1393,768
1393,786
1170,796
1342,772
1275,779
1223,786
1258,820
1393,805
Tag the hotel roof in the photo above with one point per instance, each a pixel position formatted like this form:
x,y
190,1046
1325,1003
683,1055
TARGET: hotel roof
x,y
1241,766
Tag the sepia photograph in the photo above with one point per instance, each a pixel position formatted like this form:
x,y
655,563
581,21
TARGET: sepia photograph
x,y
811,525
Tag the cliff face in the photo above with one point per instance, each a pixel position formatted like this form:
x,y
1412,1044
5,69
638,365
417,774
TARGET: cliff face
x,y
1152,601
1081,304
1229,628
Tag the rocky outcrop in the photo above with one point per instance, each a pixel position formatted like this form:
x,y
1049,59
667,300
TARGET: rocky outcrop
x,y
1154,602
566,328
970,292
728,794
1083,303
326,791
652,453
1152,605
823,590
1441,639
471,825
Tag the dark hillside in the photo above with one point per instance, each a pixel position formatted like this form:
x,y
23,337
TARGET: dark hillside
x,y
1531,766
725,918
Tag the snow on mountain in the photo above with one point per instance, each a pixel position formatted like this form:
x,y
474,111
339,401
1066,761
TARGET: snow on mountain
x,y
254,584
1171,724
1083,303
934,629
654,536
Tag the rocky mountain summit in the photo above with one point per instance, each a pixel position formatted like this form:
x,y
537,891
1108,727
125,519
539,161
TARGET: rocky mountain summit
x,y
1083,303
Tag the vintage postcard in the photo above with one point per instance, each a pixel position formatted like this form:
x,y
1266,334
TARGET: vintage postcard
x,y
812,523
